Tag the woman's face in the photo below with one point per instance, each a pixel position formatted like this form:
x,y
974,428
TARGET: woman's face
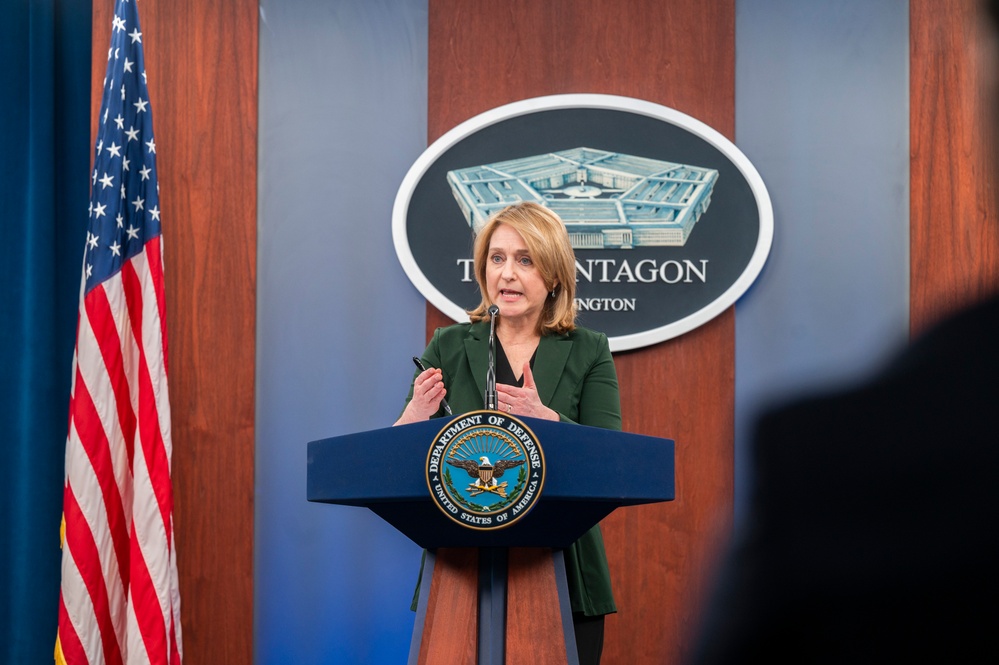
x,y
513,280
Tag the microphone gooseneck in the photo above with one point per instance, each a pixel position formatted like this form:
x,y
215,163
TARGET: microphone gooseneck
x,y
491,398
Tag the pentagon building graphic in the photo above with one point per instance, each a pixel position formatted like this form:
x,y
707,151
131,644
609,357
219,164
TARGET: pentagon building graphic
x,y
607,200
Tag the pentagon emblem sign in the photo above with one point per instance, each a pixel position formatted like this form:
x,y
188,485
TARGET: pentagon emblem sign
x,y
670,223
485,470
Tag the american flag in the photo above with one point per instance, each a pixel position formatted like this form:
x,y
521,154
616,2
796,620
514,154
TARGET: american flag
x,y
119,601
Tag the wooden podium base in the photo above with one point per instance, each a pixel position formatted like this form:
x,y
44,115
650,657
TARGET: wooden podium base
x,y
490,606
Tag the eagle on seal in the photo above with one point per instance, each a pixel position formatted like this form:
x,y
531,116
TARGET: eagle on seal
x,y
484,472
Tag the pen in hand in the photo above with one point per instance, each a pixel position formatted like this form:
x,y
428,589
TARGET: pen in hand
x,y
447,409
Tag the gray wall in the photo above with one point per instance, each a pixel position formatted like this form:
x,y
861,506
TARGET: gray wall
x,y
821,111
342,117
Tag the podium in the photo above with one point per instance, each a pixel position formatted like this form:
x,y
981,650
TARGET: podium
x,y
499,595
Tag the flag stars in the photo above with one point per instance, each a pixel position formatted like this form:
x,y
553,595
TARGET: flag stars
x,y
118,223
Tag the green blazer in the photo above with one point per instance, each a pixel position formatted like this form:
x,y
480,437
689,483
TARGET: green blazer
x,y
575,376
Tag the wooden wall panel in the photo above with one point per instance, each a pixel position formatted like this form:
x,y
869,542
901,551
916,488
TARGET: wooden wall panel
x,y
483,54
201,61
954,241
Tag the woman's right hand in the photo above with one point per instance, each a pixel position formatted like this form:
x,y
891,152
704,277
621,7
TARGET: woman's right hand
x,y
428,391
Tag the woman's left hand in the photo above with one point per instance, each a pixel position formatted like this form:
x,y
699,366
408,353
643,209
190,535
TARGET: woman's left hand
x,y
523,401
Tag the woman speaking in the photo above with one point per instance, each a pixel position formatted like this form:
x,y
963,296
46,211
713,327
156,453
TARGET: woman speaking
x,y
546,367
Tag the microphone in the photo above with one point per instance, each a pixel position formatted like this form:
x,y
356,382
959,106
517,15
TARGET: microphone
x,y
491,370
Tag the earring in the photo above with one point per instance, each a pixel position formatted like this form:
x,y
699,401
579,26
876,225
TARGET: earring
x,y
553,293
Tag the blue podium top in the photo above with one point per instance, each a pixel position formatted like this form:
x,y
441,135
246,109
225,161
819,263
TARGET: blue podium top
x,y
588,473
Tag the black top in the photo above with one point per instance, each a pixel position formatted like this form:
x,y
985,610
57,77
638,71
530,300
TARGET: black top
x,y
504,370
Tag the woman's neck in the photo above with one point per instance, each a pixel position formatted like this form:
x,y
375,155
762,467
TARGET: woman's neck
x,y
515,334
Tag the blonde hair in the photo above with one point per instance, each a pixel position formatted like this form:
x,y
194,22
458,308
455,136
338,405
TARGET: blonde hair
x,y
548,242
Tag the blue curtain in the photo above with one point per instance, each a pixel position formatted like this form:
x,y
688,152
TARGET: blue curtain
x,y
44,189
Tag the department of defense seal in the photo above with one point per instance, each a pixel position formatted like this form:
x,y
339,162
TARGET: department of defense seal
x,y
485,470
